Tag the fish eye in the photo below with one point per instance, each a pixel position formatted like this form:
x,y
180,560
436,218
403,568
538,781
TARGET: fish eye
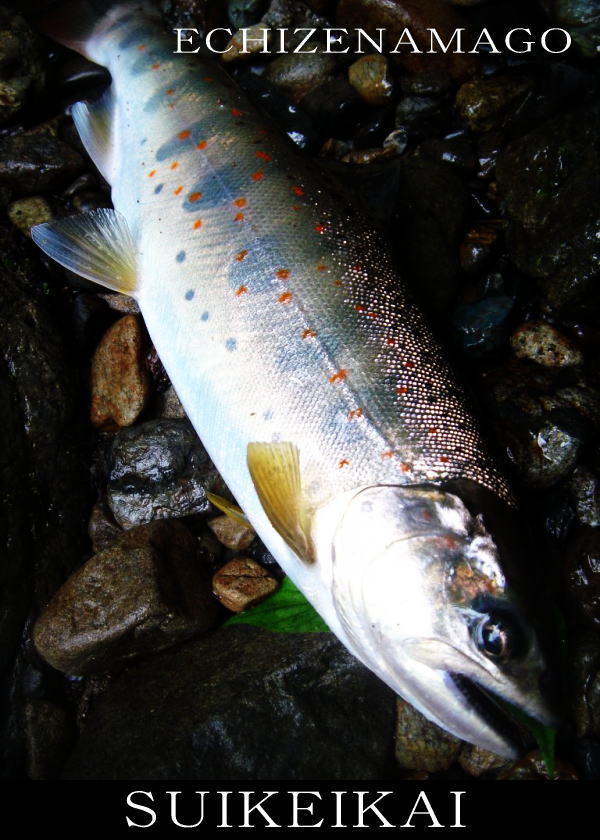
x,y
499,637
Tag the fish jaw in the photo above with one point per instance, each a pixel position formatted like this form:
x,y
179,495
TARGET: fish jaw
x,y
421,598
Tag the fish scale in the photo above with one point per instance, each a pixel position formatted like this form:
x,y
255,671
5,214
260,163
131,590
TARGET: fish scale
x,y
313,381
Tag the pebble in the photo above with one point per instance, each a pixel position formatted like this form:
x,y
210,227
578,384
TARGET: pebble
x,y
585,494
456,152
532,766
232,534
479,762
103,531
420,744
335,108
583,682
421,116
370,77
27,212
372,130
37,161
121,303
486,103
119,381
583,574
543,344
297,75
241,583
478,248
256,43
480,327
244,13
582,20
157,470
167,405
22,73
143,594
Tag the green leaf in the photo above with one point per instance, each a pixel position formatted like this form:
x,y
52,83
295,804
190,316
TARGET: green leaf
x,y
285,611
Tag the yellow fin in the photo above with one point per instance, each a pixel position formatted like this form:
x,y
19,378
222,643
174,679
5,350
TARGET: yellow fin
x,y
232,511
96,245
275,471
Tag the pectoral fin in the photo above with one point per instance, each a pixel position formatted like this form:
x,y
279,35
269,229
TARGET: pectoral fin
x,y
275,471
229,509
93,122
96,245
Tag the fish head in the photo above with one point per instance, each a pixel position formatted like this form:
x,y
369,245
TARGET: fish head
x,y
421,590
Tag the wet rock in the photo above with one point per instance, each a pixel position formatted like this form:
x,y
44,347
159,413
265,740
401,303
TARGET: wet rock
x,y
582,19
289,14
455,151
241,704
370,156
481,327
21,69
168,405
242,583
584,685
545,345
243,46
396,141
427,228
419,16
244,12
27,212
335,107
532,766
479,762
50,734
479,248
550,181
583,574
232,534
121,303
296,75
421,116
543,420
102,528
585,494
486,103
37,161
159,469
372,131
119,381
143,594
370,77
420,744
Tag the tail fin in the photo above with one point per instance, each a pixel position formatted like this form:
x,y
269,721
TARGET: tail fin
x,y
74,22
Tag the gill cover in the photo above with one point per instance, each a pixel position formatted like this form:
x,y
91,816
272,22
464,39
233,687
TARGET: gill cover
x,y
419,589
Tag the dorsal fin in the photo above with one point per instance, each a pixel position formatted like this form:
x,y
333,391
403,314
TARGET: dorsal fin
x,y
275,471
97,245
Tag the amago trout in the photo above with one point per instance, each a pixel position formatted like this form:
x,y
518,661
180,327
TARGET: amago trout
x,y
313,382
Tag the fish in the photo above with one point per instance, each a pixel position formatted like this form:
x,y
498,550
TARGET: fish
x,y
311,377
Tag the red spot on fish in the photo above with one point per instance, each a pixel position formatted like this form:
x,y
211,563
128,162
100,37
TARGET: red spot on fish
x,y
202,144
208,79
170,92
142,47
450,542
152,173
156,66
240,202
197,224
242,256
172,105
257,176
296,207
372,315
389,454
264,156
239,217
175,164
235,112
309,334
357,268
408,364
337,377
359,308
285,297
183,135
402,390
343,463
444,459
356,412
283,273
178,191
242,290
391,342
321,267
298,190
433,431
405,467
195,196
320,228
338,283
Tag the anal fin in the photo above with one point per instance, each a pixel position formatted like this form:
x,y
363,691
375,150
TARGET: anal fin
x,y
275,472
96,245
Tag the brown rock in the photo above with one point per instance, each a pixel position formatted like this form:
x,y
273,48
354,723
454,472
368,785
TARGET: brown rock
x,y
544,344
297,74
420,744
256,43
485,103
476,761
241,583
119,381
144,593
532,766
121,303
419,16
370,76
168,405
102,528
232,534
27,212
